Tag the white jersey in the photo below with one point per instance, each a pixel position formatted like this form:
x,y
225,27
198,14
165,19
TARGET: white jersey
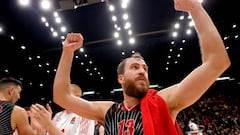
x,y
73,124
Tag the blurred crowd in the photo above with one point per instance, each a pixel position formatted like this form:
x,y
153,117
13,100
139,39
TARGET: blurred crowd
x,y
213,116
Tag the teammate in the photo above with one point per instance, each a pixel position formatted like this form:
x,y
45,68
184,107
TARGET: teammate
x,y
13,117
72,124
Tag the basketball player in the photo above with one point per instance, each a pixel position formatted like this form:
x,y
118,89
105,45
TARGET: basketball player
x,y
143,110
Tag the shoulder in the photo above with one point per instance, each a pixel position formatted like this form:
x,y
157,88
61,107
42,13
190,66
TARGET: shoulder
x,y
19,111
19,108
152,98
61,112
151,93
18,114
115,107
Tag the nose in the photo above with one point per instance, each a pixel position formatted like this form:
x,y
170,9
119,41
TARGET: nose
x,y
142,70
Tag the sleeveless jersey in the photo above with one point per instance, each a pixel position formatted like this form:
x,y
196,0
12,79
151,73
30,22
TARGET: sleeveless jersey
x,y
121,121
6,109
150,117
73,124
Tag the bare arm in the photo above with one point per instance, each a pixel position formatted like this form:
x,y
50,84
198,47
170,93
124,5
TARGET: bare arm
x,y
20,121
214,60
61,88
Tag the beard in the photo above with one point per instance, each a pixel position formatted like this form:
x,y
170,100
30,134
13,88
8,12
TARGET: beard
x,y
137,91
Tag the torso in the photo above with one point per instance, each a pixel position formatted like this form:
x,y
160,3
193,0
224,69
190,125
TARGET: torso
x,y
120,120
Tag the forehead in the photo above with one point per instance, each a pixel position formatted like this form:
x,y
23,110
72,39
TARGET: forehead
x,y
131,61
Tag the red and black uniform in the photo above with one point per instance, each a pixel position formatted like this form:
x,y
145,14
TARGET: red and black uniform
x,y
150,117
121,121
6,109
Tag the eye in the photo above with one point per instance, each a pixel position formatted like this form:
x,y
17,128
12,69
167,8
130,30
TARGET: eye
x,y
145,68
135,66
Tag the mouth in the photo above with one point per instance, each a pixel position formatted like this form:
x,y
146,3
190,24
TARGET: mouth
x,y
141,79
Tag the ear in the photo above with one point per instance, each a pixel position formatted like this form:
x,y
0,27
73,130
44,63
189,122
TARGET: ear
x,y
10,91
120,78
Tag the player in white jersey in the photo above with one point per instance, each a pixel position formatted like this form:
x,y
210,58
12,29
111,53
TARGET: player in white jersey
x,y
64,122
72,124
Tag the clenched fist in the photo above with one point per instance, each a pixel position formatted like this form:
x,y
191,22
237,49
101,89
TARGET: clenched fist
x,y
73,41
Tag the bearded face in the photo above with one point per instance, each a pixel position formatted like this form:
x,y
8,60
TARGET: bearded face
x,y
134,79
136,88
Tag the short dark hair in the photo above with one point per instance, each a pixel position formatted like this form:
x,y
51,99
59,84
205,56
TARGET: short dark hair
x,y
120,68
10,80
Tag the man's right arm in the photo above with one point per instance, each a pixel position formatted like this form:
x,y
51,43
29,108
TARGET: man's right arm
x,y
61,88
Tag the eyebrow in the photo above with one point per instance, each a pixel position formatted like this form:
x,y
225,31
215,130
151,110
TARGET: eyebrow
x,y
135,63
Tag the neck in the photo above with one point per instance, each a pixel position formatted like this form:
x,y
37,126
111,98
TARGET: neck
x,y
130,102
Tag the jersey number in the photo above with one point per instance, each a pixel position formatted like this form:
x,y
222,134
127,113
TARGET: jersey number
x,y
126,128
